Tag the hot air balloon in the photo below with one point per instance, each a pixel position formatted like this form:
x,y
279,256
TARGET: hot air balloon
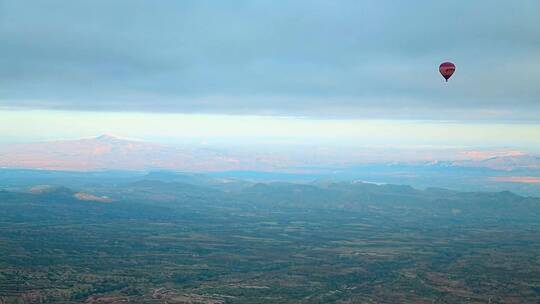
x,y
447,69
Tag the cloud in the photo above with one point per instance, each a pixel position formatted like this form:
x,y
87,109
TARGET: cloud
x,y
363,59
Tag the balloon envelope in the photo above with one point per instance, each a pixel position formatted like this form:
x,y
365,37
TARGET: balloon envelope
x,y
447,69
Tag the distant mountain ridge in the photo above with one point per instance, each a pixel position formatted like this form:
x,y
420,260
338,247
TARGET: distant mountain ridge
x,y
506,163
107,152
470,170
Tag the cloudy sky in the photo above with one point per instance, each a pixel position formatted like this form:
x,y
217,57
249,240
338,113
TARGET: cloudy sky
x,y
314,62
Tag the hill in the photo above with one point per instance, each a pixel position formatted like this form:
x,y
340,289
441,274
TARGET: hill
x,y
165,240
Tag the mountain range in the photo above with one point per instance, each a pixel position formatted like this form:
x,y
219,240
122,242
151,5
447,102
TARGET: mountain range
x,y
107,152
469,171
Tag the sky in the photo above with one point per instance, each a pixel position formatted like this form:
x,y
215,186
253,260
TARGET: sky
x,y
342,70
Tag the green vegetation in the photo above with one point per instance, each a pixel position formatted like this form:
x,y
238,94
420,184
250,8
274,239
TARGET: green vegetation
x,y
169,242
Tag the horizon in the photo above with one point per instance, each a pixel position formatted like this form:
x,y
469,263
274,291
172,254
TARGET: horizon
x,y
456,168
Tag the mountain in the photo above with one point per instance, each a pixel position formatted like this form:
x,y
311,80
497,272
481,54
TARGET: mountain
x,y
108,152
505,163
225,168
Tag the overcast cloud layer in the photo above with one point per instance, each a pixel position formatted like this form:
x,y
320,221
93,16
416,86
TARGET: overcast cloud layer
x,y
360,59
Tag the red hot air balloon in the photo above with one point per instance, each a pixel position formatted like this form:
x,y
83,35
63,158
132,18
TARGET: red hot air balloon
x,y
447,69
